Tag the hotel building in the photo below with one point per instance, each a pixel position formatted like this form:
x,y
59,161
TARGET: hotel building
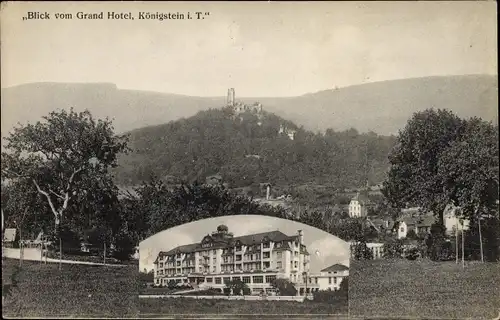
x,y
255,259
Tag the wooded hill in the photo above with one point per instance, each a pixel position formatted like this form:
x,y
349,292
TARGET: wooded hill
x,y
247,150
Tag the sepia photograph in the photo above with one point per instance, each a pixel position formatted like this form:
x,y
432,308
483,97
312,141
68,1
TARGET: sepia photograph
x,y
245,264
275,159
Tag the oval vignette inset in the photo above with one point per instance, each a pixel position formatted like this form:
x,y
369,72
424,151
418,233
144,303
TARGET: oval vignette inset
x,y
204,255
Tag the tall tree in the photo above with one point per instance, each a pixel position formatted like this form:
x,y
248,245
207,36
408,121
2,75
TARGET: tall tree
x,y
54,155
413,176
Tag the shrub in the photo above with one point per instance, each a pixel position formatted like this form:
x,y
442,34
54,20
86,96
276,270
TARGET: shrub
x,y
412,253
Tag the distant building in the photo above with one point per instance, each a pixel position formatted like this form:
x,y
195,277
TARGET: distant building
x,y
240,107
329,278
9,236
452,221
382,225
421,225
230,97
376,249
289,132
255,259
358,207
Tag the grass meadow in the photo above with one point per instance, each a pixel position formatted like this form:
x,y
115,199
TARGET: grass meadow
x,y
41,290
150,307
424,289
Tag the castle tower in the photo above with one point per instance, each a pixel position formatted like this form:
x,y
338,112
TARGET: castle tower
x,y
230,97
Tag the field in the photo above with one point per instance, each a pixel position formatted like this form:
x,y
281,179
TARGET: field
x,y
152,306
424,289
41,290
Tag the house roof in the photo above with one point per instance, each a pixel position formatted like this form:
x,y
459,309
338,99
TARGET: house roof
x,y
421,221
335,268
251,239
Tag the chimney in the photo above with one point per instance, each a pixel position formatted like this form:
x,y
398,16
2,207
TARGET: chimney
x,y
301,236
268,192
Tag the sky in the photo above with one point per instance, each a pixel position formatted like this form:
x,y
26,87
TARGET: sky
x,y
324,248
263,49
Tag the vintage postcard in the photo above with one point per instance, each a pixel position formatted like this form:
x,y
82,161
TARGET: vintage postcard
x,y
250,160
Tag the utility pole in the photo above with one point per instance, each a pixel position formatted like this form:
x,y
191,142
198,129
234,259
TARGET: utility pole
x,y
456,243
480,239
463,248
456,236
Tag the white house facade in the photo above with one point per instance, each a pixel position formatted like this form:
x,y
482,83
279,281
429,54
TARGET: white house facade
x,y
329,278
358,207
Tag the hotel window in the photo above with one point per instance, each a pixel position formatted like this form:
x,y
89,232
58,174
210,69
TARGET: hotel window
x,y
215,260
267,255
238,248
161,265
218,280
227,279
236,278
258,279
330,280
257,256
310,280
295,264
246,280
265,245
267,264
279,265
278,254
178,263
296,253
210,280
335,280
278,245
270,279
316,280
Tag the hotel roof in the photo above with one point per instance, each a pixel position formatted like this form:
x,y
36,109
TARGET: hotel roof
x,y
251,239
335,268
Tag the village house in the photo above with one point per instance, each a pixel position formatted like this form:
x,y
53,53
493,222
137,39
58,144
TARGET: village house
x,y
421,225
358,207
376,249
329,278
452,221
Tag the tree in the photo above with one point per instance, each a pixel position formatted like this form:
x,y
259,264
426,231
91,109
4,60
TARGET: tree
x,y
284,287
54,155
172,284
412,235
238,287
393,248
413,176
468,170
361,251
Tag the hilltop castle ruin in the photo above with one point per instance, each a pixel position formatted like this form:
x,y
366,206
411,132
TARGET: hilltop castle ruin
x,y
240,107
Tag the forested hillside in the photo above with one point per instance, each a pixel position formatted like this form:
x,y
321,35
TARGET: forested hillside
x,y
248,149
